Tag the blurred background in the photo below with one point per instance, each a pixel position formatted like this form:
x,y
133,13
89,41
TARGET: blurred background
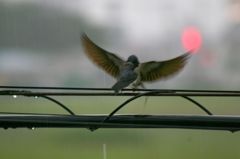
x,y
40,46
40,40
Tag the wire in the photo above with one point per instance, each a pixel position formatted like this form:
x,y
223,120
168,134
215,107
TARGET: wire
x,y
31,94
19,120
198,104
109,89
160,93
93,122
58,103
151,93
182,93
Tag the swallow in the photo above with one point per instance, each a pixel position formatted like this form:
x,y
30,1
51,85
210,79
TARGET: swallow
x,y
131,71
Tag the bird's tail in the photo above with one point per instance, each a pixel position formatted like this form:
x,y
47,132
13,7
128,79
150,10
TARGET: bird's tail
x,y
118,86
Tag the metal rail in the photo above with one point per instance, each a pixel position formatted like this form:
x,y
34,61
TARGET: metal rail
x,y
230,123
93,122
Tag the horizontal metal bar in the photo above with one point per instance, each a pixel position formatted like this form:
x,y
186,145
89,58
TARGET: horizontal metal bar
x,y
26,93
109,89
231,123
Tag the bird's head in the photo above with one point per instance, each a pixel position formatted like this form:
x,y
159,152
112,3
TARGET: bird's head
x,y
134,60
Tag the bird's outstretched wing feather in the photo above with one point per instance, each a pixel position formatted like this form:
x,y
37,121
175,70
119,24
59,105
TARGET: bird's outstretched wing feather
x,y
109,62
156,70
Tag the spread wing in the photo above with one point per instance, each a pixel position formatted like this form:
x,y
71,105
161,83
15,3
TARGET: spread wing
x,y
156,70
102,58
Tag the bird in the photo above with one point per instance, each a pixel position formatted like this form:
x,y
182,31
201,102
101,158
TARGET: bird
x,y
131,71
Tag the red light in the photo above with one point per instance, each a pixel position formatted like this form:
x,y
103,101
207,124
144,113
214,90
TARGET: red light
x,y
191,39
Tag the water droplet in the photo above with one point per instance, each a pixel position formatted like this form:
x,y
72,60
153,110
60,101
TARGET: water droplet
x,y
15,96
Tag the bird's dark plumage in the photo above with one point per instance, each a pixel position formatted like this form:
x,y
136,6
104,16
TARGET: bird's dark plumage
x,y
132,71
155,70
104,59
126,77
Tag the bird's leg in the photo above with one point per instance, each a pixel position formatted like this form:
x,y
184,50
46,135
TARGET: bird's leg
x,y
142,85
136,84
145,98
134,87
